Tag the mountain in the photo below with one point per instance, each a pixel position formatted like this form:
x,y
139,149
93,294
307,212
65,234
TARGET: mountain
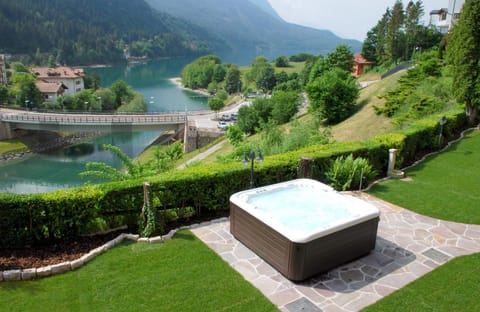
x,y
266,7
253,26
92,31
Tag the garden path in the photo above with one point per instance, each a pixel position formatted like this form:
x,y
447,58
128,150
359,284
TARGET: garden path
x,y
409,245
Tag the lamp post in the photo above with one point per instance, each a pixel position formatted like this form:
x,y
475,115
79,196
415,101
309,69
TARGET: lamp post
x,y
26,104
251,157
442,122
100,101
85,106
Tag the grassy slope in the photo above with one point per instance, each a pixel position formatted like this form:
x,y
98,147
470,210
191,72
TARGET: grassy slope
x,y
365,124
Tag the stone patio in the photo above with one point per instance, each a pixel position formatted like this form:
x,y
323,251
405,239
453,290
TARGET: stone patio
x,y
408,246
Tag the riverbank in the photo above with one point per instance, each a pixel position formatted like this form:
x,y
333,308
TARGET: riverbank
x,y
178,82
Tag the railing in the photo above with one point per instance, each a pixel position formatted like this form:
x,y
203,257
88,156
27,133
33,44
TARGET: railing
x,y
49,118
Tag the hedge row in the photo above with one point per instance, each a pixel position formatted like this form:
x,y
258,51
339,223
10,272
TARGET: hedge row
x,y
39,218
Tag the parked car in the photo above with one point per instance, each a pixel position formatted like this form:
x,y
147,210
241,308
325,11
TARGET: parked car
x,y
222,125
234,116
226,117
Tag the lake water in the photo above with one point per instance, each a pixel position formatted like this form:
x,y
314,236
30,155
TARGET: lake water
x,y
60,169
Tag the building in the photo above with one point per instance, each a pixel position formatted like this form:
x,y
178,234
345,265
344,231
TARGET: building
x,y
71,78
51,91
359,64
443,19
3,70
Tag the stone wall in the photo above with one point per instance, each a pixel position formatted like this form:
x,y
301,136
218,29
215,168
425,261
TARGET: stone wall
x,y
5,131
196,138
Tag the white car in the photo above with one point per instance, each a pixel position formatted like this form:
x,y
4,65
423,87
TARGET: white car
x,y
222,125
226,117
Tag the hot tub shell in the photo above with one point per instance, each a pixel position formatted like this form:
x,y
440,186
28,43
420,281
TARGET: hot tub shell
x,y
300,259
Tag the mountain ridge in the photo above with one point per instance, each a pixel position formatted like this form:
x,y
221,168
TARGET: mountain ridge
x,y
253,25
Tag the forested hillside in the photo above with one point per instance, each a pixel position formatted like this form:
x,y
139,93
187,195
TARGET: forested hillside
x,y
252,25
85,31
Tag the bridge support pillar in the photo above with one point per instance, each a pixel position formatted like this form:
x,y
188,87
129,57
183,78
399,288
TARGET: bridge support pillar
x,y
195,138
5,131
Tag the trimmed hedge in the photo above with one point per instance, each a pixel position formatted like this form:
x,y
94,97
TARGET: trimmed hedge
x,y
38,218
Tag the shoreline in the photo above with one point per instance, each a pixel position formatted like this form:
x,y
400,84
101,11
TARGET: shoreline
x,y
178,82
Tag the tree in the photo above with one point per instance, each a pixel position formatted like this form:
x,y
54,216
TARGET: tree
x,y
413,12
341,57
106,99
318,68
281,61
463,54
215,104
25,90
369,46
333,95
266,79
247,119
235,135
285,106
233,83
122,92
394,42
3,94
262,73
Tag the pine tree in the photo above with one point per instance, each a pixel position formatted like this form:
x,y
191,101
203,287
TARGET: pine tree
x,y
463,54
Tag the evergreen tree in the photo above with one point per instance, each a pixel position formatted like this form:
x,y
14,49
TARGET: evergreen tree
x,y
413,13
463,54
394,38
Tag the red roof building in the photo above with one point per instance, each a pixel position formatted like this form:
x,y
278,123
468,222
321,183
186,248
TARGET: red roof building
x,y
359,65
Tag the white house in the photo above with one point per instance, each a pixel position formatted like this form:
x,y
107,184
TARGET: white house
x,y
51,90
443,19
71,78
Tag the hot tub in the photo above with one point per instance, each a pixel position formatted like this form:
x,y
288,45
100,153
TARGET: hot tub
x,y
303,227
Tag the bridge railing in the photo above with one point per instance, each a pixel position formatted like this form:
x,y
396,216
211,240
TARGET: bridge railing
x,y
92,118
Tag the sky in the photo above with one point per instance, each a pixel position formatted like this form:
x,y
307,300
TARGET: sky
x,y
350,19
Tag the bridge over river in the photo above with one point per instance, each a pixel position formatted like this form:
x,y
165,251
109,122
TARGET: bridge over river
x,y
88,122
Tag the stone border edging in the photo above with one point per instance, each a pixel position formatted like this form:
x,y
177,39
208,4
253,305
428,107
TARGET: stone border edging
x,y
51,270
462,135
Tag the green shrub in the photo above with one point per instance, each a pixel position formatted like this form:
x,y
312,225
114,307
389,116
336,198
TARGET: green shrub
x,y
346,173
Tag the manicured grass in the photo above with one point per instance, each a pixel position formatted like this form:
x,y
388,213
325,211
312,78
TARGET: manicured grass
x,y
179,275
452,287
445,186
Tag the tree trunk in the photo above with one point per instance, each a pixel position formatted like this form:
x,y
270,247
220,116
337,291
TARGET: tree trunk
x,y
305,167
472,113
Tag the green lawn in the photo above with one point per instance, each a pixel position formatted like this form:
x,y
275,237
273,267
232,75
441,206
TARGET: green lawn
x,y
182,274
446,186
454,286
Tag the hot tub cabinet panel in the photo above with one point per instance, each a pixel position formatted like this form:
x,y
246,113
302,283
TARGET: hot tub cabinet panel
x,y
299,261
303,227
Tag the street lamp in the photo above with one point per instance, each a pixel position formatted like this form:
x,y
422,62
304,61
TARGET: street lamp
x,y
442,122
251,158
26,104
100,101
85,106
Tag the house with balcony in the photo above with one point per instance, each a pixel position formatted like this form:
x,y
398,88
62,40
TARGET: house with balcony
x,y
51,91
443,19
71,78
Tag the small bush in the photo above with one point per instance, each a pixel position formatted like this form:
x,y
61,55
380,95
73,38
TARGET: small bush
x,y
345,173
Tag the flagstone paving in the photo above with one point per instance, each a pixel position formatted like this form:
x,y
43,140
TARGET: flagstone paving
x,y
408,246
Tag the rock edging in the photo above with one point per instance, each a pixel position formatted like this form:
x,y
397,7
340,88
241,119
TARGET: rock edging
x,y
50,270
